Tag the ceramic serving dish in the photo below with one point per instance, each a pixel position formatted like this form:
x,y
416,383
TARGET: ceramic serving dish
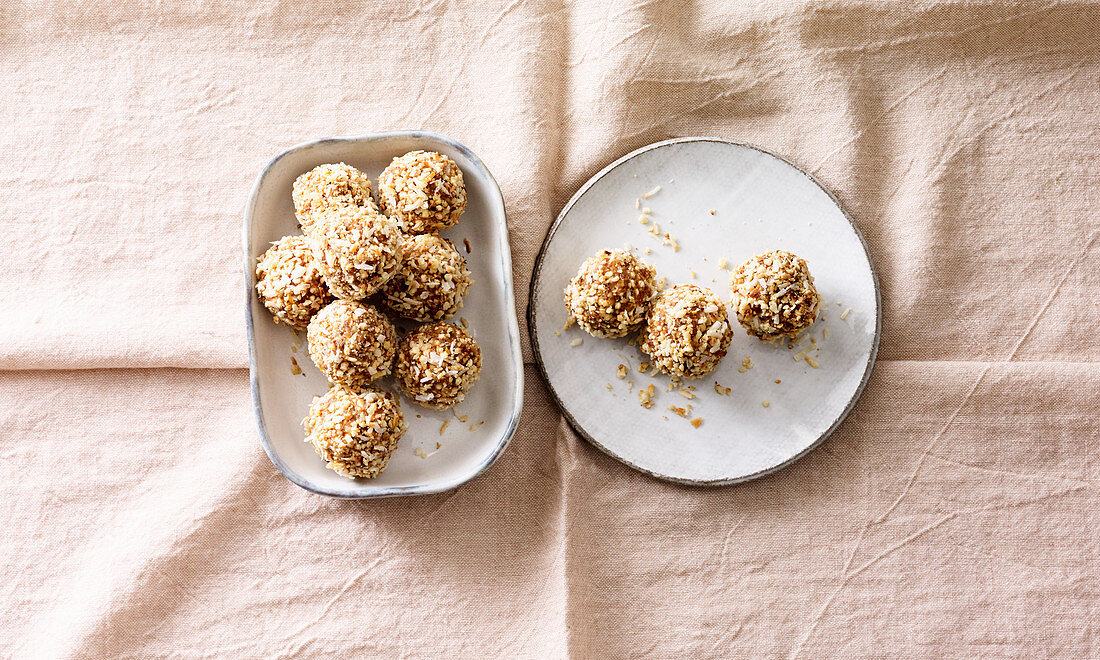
x,y
722,202
442,449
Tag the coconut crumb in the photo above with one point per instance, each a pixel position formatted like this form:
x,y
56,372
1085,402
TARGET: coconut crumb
x,y
444,426
720,390
577,341
294,368
698,421
767,403
464,322
466,242
693,276
746,364
419,452
712,211
844,314
824,333
645,397
568,323
474,427
557,333
293,348
777,381
679,411
812,362
609,388
638,204
722,263
651,193
643,367
647,250
686,393
621,371
644,219
629,386
647,211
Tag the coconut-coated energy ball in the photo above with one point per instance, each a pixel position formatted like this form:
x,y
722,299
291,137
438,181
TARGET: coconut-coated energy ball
x,y
351,343
355,432
357,250
431,282
774,295
289,282
437,364
423,191
329,186
687,331
611,294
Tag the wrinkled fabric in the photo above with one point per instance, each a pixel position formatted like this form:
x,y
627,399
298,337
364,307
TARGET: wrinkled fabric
x,y
954,513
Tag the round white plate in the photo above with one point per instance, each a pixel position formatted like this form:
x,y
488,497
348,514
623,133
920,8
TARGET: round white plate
x,y
760,202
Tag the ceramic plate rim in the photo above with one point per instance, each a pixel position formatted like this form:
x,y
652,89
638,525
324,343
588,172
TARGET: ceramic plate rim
x,y
532,322
501,217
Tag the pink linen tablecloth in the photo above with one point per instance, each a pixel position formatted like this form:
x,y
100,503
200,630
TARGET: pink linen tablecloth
x,y
955,513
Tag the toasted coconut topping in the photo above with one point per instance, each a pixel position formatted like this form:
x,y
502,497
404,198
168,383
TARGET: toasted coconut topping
x,y
431,282
687,331
289,282
351,343
437,364
326,187
774,295
355,432
423,191
611,294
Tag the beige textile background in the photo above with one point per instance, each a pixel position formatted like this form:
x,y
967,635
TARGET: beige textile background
x,y
955,513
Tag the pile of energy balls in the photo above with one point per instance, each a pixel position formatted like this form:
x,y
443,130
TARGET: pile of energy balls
x,y
685,329
359,261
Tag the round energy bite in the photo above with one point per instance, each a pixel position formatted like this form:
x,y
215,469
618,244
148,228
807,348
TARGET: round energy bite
x,y
329,186
774,295
357,250
687,331
289,282
611,293
352,343
354,432
437,364
423,191
431,282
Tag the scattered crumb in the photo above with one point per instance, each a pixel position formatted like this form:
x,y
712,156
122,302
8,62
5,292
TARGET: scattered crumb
x,y
651,193
418,415
722,263
646,396
671,180
724,391
812,340
643,367
609,388
810,361
293,348
644,219
686,394
670,387
621,372
767,403
679,411
777,381
844,314
693,276
460,418
294,368
664,417
444,427
746,364
647,250
557,332
712,211
464,322
638,204
698,421
646,210
629,386
438,445
466,242
474,427
419,451
577,341
824,333
838,304
568,323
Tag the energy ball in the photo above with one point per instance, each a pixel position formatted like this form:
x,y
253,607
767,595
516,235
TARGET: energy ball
x,y
774,295
431,282
351,343
357,250
289,282
611,294
687,331
355,432
423,190
329,186
437,364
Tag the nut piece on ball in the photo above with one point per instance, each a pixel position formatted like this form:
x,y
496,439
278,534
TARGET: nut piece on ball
x,y
357,250
289,282
437,364
354,432
774,295
423,191
431,282
351,343
329,186
611,294
687,331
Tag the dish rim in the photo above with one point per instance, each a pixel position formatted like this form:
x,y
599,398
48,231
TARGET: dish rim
x,y
366,491
532,322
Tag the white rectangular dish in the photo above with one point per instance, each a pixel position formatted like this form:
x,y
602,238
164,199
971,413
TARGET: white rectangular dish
x,y
440,451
